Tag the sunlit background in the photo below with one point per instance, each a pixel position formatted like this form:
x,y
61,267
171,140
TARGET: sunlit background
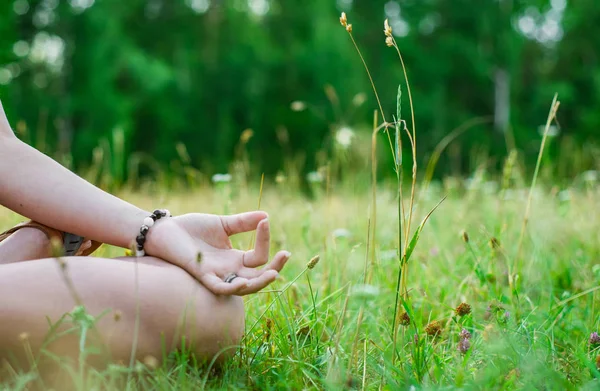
x,y
141,86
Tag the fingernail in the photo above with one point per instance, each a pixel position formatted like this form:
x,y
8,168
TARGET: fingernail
x,y
288,254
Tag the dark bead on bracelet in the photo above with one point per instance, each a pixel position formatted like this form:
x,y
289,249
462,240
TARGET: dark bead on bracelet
x,y
154,217
144,229
140,247
140,239
159,213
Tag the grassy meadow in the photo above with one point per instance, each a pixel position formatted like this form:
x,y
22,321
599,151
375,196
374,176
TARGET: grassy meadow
x,y
528,319
482,283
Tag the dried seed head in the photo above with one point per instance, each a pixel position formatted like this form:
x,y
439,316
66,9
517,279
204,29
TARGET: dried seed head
x,y
343,19
404,319
199,257
314,260
463,309
268,327
387,30
433,329
513,374
465,334
494,243
465,236
24,337
349,28
389,41
117,315
594,339
464,345
151,362
246,136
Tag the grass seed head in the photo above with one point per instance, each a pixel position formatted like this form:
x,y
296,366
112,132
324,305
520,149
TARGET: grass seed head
x,y
465,334
594,339
389,41
463,309
246,136
465,236
349,28
313,262
387,30
268,327
343,19
24,337
494,244
404,319
433,329
464,345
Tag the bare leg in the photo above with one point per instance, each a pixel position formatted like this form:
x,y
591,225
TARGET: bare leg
x,y
24,245
170,305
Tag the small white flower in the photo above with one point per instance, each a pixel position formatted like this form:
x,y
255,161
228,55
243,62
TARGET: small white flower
x,y
564,196
359,99
221,178
590,176
314,177
298,105
341,233
280,178
344,136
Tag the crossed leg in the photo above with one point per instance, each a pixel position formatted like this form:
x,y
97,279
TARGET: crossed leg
x,y
168,302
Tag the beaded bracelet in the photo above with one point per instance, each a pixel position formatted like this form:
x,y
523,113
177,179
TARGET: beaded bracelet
x,y
146,225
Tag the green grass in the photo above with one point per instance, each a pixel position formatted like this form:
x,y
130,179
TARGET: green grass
x,y
306,335
379,310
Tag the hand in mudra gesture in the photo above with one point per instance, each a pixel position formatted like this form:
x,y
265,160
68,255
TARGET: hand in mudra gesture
x,y
199,243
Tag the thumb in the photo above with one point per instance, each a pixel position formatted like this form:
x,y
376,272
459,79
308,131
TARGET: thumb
x,y
243,222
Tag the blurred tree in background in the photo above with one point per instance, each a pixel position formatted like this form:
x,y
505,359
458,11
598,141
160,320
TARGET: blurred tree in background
x,y
156,82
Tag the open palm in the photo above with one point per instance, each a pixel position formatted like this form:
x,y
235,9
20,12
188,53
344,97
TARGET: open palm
x,y
200,244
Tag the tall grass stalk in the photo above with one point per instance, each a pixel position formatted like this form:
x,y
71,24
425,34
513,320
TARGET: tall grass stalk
x,y
404,217
551,116
386,124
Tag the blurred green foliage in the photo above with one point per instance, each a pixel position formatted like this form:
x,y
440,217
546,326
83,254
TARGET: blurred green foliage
x,y
143,76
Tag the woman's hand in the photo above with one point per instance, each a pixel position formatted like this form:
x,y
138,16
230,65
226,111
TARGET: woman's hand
x,y
199,244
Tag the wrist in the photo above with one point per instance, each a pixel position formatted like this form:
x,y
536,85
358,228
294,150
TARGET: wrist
x,y
145,240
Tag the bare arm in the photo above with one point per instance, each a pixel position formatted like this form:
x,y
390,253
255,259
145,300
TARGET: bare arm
x,y
35,186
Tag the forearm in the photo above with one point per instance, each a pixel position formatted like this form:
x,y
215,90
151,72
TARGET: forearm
x,y
37,187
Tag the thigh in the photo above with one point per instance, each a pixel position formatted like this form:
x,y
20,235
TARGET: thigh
x,y
168,303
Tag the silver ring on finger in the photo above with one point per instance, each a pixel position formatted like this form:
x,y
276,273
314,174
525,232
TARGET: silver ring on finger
x,y
230,277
